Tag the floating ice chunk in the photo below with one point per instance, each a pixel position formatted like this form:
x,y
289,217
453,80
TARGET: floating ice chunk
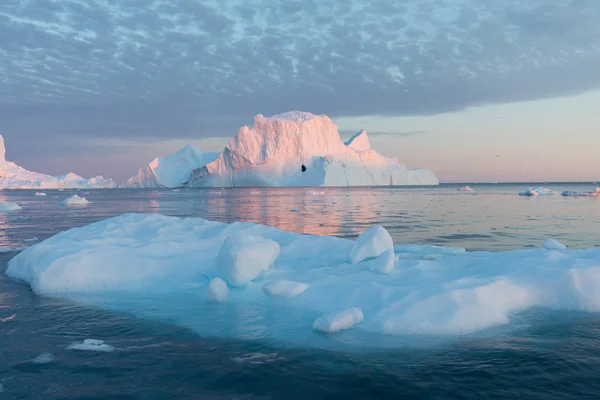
x,y
217,290
539,191
243,257
370,244
284,289
314,193
570,193
465,189
91,345
552,244
5,207
75,201
40,194
337,321
33,239
44,358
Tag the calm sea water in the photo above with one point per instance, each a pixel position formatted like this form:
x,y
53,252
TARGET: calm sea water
x,y
556,357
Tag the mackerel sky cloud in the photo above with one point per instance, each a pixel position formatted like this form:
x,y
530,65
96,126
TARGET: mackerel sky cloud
x,y
98,76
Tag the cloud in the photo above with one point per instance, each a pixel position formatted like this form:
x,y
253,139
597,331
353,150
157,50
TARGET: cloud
x,y
190,69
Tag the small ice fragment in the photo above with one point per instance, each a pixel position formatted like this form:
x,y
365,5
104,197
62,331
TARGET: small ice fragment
x,y
43,358
33,239
91,345
465,189
539,191
284,289
40,194
337,321
217,290
370,244
9,207
243,257
314,193
175,190
552,244
75,201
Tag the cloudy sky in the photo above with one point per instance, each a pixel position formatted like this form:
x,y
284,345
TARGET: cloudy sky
x,y
103,86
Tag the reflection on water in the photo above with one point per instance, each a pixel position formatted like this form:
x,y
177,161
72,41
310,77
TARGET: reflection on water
x,y
493,217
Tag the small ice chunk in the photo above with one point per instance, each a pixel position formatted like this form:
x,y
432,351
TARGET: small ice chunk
x,y
539,191
217,290
91,345
465,189
552,244
33,239
284,289
314,193
337,321
243,257
75,201
384,263
43,358
370,244
9,207
40,194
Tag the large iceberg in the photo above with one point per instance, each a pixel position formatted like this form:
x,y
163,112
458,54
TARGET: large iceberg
x,y
302,149
13,176
172,171
216,278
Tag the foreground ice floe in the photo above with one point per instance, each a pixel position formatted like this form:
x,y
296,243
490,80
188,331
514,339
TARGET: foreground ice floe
x,y
539,191
267,280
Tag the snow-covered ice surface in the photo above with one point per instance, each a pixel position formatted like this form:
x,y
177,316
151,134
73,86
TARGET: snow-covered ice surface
x,y
301,149
160,267
13,176
75,200
538,191
172,171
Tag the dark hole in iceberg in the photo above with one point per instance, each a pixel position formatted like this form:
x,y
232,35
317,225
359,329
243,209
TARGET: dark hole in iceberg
x,y
303,168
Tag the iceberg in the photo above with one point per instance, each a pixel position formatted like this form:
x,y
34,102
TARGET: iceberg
x,y
172,171
13,176
75,201
571,193
301,149
539,191
170,269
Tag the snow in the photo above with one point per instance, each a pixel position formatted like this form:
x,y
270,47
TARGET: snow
x,y
593,193
273,151
75,201
5,207
337,321
217,290
539,191
552,244
243,257
371,244
172,171
465,189
91,345
13,176
159,267
44,358
284,289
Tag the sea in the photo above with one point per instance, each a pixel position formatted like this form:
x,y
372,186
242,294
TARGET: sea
x,y
555,357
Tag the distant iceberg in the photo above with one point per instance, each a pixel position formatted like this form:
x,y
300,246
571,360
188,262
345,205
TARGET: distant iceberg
x,y
13,176
172,171
290,149
576,193
539,191
260,278
465,189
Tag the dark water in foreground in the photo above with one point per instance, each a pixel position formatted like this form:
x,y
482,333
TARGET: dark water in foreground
x,y
557,357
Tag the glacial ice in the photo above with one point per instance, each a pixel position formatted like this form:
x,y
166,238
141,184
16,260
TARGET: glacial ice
x,y
217,290
337,321
370,244
13,176
160,267
302,149
172,171
593,193
539,191
5,207
91,345
75,200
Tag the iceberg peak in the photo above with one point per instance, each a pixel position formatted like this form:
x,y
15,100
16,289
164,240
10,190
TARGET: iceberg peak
x,y
2,150
359,141
293,116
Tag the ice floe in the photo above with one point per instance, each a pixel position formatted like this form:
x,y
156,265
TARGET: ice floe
x,y
539,191
91,345
75,201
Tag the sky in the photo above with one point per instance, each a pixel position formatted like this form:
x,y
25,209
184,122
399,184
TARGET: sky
x,y
104,86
